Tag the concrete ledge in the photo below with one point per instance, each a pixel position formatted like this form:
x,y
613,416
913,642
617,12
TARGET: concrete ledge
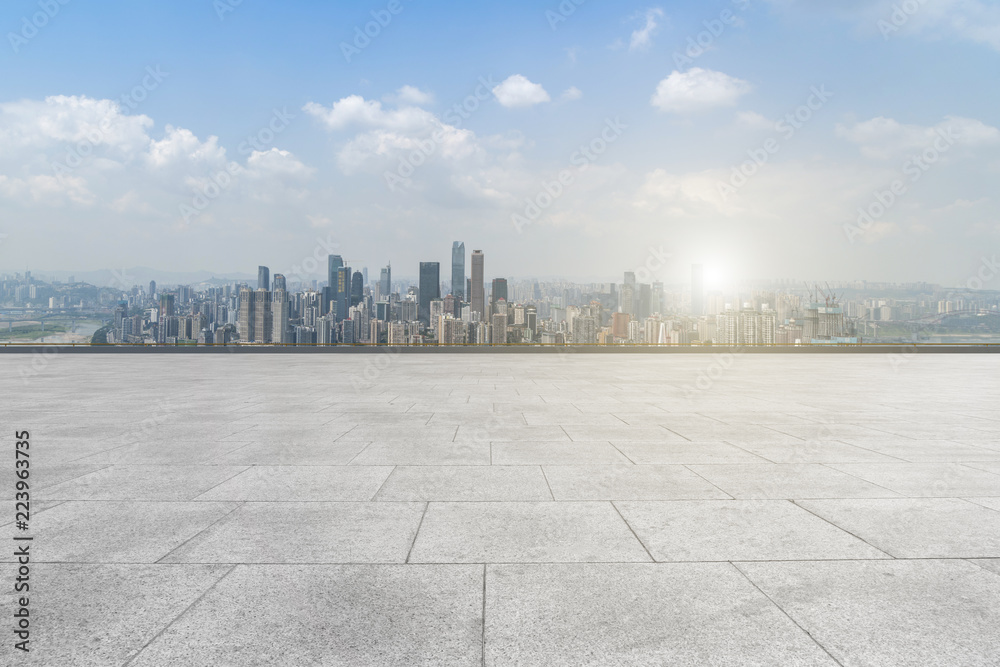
x,y
979,348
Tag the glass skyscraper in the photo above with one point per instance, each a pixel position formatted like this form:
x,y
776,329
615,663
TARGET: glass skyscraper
x,y
430,289
458,270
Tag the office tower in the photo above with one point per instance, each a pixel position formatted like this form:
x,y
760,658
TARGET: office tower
x,y
357,287
458,270
630,278
341,297
498,292
477,298
279,282
245,321
385,283
334,264
152,288
453,305
263,278
697,290
498,333
263,323
279,313
430,289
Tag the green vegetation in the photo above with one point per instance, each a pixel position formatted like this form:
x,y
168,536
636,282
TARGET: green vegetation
x,y
100,336
32,332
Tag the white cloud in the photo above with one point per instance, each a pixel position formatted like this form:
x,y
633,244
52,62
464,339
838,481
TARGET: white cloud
x,y
753,120
642,38
412,95
969,20
517,91
886,138
356,110
698,89
571,94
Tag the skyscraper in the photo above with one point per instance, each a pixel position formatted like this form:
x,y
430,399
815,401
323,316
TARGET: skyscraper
x,y
458,270
279,311
263,324
152,288
263,278
334,264
478,298
357,287
342,292
499,292
697,290
385,283
430,289
245,319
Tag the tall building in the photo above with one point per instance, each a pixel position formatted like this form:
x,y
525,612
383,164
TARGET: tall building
x,y
334,264
341,293
477,298
430,290
280,312
279,282
263,323
385,283
697,290
152,288
357,287
498,292
164,317
458,270
263,278
247,312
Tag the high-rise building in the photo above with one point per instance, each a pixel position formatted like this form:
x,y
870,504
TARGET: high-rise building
x,y
458,270
263,322
385,283
430,290
152,288
279,313
245,319
697,290
263,278
498,292
357,287
334,264
477,297
498,333
341,293
279,282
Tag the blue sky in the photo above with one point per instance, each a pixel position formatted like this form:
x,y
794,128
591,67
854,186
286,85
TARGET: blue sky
x,y
665,180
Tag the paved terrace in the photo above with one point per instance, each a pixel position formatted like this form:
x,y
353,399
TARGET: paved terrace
x,y
507,509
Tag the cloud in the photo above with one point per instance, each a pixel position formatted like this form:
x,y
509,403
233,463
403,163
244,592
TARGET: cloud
x,y
696,90
356,110
517,91
87,153
886,138
411,95
571,94
753,120
642,38
968,20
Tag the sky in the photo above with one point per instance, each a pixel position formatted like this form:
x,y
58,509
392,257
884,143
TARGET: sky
x,y
791,139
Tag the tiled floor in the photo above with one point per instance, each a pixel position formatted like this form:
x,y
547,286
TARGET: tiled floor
x,y
475,509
